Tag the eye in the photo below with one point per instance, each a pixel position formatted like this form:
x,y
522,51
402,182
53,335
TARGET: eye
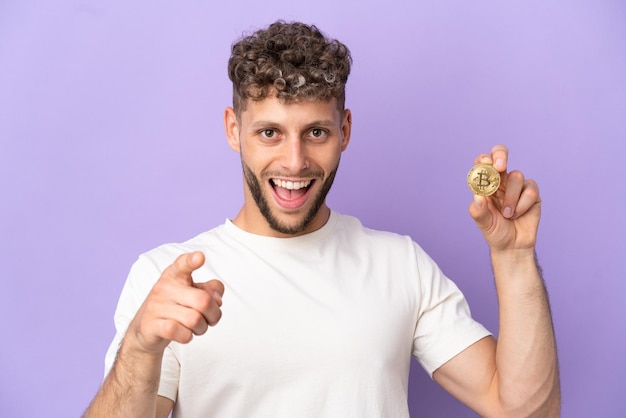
x,y
317,133
268,133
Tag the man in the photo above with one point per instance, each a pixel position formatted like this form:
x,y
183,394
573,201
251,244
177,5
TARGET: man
x,y
321,315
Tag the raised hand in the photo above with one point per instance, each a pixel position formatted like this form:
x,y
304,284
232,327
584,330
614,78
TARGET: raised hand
x,y
517,375
509,218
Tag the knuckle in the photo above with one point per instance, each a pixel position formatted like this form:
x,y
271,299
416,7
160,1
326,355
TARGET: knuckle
x,y
160,288
202,301
173,331
169,329
184,337
194,318
161,291
532,193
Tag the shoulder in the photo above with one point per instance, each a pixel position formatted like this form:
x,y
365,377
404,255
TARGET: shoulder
x,y
393,244
352,227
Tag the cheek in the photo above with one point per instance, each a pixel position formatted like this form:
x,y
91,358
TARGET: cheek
x,y
255,159
329,160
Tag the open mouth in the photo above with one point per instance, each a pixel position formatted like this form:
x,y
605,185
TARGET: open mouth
x,y
291,191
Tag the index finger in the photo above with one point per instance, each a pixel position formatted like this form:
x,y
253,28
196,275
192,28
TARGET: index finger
x,y
183,266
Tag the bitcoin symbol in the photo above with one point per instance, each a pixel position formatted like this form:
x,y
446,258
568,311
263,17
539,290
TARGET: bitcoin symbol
x,y
483,179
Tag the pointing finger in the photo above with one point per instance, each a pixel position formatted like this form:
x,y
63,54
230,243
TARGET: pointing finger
x,y
183,266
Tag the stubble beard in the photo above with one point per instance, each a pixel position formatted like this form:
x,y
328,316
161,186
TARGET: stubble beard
x,y
254,185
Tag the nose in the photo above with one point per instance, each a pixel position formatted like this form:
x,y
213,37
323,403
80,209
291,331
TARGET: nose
x,y
294,158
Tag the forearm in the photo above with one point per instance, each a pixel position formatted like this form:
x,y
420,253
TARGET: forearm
x,y
526,358
130,388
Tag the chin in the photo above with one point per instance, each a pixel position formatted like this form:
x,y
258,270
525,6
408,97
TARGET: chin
x,y
290,224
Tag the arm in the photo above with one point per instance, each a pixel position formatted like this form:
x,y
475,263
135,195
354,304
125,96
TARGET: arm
x,y
518,374
174,310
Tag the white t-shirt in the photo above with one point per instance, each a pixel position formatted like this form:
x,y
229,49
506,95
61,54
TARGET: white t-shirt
x,y
321,325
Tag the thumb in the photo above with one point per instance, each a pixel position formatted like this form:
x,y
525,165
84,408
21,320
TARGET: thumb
x,y
479,211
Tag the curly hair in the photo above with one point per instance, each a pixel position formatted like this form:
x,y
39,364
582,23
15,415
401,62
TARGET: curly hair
x,y
292,61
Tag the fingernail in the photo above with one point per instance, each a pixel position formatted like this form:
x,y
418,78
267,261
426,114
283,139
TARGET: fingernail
x,y
507,212
478,201
499,164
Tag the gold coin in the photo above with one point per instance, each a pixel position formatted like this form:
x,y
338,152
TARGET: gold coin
x,y
483,179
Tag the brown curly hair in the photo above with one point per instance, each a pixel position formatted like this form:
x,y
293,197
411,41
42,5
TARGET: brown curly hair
x,y
292,61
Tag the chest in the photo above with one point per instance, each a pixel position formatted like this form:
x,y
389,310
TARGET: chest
x,y
304,319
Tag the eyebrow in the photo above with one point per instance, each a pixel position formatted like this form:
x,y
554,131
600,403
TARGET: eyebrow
x,y
322,122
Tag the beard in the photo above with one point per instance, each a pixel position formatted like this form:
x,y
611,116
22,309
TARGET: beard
x,y
254,185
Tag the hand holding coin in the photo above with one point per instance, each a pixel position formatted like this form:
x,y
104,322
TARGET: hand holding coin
x,y
510,217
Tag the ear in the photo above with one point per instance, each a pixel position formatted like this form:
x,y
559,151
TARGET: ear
x,y
346,129
231,125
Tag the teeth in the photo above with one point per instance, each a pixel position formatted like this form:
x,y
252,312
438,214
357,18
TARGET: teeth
x,y
291,185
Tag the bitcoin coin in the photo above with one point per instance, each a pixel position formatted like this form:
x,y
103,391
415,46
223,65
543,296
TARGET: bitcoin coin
x,y
483,179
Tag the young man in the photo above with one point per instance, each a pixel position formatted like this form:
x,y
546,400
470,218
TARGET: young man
x,y
321,315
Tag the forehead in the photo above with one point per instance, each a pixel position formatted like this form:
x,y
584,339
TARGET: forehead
x,y
278,111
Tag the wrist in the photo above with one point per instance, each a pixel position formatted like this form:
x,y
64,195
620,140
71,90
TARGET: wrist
x,y
134,348
136,368
516,255
516,264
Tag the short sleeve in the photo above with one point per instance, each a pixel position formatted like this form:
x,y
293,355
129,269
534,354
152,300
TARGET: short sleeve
x,y
170,373
444,326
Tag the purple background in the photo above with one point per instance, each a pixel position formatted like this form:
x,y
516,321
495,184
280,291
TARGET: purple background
x,y
112,143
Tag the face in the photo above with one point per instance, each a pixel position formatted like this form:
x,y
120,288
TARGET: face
x,y
290,154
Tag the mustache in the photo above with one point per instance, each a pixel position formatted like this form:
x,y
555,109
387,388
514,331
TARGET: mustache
x,y
314,174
